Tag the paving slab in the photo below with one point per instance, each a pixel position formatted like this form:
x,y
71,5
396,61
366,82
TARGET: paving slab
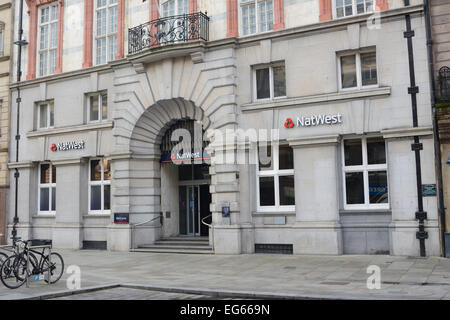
x,y
293,276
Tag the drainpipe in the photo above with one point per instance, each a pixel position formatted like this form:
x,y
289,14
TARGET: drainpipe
x,y
437,143
20,42
413,90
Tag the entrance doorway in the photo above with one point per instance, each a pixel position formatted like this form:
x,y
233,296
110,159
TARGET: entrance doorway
x,y
194,199
194,206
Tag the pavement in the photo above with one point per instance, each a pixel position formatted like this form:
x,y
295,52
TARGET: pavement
x,y
135,275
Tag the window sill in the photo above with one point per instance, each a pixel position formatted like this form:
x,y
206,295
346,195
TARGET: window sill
x,y
97,215
319,98
273,213
44,215
349,212
70,129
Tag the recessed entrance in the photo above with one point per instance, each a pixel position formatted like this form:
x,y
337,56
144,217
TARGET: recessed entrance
x,y
185,181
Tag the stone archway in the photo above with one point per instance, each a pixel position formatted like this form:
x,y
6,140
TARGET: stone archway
x,y
148,99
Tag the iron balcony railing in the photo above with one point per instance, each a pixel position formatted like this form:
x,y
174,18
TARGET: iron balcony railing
x,y
444,83
168,30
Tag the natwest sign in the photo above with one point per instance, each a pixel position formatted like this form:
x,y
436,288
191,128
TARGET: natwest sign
x,y
316,120
64,146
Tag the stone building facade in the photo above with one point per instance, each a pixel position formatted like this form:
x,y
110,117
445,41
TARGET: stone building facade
x,y
6,24
323,78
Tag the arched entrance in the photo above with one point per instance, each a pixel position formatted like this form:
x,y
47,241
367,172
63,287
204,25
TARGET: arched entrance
x,y
185,180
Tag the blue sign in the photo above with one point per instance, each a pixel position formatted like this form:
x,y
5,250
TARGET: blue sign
x,y
448,160
121,218
429,190
225,212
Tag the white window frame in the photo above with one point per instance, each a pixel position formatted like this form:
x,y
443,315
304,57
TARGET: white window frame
x,y
243,3
49,125
177,8
100,104
275,173
271,82
365,168
49,186
354,9
108,35
50,22
101,183
359,84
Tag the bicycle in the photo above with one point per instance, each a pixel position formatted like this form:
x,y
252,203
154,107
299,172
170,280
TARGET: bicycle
x,y
16,269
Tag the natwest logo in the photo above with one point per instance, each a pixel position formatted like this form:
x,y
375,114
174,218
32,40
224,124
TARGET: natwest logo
x,y
289,123
64,146
316,120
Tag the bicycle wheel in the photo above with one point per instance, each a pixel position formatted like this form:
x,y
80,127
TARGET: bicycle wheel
x,y
13,272
56,267
3,257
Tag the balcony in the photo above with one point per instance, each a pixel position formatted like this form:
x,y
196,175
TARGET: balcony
x,y
168,30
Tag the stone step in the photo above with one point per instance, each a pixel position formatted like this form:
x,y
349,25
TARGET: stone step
x,y
184,238
185,247
176,250
182,243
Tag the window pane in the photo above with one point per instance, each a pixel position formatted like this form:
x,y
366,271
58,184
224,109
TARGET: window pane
x,y
107,197
266,191
378,188
53,174
112,20
279,81
348,71
43,116
53,199
354,187
44,199
93,111
286,157
265,157
252,18
45,173
104,107
96,170
262,84
368,68
52,114
353,152
96,197
376,151
107,170
112,42
287,191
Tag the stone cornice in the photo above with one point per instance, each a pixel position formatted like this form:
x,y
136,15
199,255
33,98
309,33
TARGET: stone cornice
x,y
406,132
20,165
318,98
71,129
313,140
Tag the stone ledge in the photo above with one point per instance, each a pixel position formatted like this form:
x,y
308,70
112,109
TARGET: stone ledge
x,y
319,98
313,140
406,132
71,129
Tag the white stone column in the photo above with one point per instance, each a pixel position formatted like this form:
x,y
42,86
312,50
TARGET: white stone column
x,y
403,192
136,190
317,229
27,201
68,227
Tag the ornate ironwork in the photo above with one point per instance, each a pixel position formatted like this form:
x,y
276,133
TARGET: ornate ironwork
x,y
168,30
444,83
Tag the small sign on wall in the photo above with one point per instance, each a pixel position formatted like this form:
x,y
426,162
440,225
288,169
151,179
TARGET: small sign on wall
x,y
121,218
429,190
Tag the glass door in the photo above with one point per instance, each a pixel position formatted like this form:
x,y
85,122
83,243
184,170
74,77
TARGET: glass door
x,y
192,210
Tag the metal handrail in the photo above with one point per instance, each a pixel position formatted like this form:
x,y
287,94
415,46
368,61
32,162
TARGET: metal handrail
x,y
207,224
211,227
142,223
168,30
